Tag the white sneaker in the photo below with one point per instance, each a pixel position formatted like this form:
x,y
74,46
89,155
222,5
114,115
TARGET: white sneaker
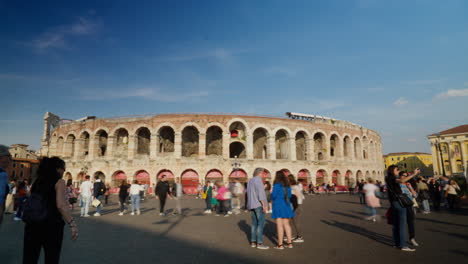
x,y
121,213
229,212
138,212
86,215
162,214
414,243
97,214
408,249
132,213
17,219
226,215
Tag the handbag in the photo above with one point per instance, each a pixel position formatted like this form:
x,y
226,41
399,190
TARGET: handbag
x,y
96,203
404,200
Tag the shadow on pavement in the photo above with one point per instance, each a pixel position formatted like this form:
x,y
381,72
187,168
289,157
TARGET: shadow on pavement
x,y
440,222
269,231
460,236
456,251
347,215
341,201
383,239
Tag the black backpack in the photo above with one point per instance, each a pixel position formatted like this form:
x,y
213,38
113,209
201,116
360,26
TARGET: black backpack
x,y
35,209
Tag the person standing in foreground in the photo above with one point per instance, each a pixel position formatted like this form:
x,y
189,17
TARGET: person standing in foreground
x,y
86,191
258,206
177,193
282,208
208,194
451,194
48,233
398,208
297,206
5,160
99,190
135,190
372,201
162,191
360,186
424,196
123,196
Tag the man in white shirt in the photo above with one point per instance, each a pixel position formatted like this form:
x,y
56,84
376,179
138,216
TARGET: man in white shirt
x,y
177,194
86,192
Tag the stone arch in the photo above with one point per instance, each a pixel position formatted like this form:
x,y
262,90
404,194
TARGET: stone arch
x,y
357,148
319,146
238,129
368,175
359,176
237,149
214,175
67,176
282,145
100,175
349,179
142,176
335,146
102,137
121,143
70,145
303,177
286,172
143,138
85,140
260,143
214,141
320,176
337,177
117,178
60,146
190,141
301,145
347,146
189,180
374,175
166,139
238,174
365,148
168,173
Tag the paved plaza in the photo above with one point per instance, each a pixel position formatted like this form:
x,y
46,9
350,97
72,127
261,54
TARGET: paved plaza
x,y
334,232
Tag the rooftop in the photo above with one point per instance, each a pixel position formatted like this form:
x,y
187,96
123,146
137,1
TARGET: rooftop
x,y
454,130
406,153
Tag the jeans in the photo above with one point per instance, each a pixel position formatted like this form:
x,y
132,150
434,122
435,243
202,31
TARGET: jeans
x,y
372,211
399,224
296,221
37,236
86,201
425,206
410,217
99,208
362,198
208,202
135,202
452,201
258,223
122,201
19,211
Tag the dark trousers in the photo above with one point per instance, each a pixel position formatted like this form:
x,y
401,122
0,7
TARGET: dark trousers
x,y
106,199
452,200
122,201
410,217
162,203
48,236
208,202
435,197
362,197
223,206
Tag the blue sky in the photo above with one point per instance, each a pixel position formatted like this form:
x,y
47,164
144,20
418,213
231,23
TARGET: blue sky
x,y
398,67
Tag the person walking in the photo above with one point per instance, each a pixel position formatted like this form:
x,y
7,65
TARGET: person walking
x,y
268,195
5,160
48,233
177,192
257,204
208,194
162,191
362,197
423,195
443,182
451,194
398,206
223,196
282,209
71,196
135,190
99,188
86,192
297,192
372,201
20,198
434,193
106,194
123,196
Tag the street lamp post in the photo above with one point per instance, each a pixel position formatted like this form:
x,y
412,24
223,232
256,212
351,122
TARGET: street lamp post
x,y
236,165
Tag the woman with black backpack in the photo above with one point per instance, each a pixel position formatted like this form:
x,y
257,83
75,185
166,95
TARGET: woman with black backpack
x,y
46,213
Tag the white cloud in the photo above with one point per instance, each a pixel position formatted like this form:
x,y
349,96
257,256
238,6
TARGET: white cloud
x,y
58,37
149,93
400,101
452,93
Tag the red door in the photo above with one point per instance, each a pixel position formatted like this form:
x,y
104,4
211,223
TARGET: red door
x,y
190,182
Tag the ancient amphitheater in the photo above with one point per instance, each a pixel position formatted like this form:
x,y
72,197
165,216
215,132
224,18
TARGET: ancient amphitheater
x,y
198,147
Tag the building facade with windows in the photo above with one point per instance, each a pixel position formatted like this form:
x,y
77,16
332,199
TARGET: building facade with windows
x,y
450,150
409,161
201,147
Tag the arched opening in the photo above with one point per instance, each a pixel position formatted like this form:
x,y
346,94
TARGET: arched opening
x,y
117,178
374,175
214,141
266,176
346,146
349,180
301,146
214,175
85,144
368,175
67,176
70,151
365,146
99,175
189,181
60,147
121,143
282,144
319,146
102,143
357,148
80,177
334,146
359,176
237,149
320,179
303,177
237,130
260,142
168,174
238,174
142,177
190,141
166,140
143,141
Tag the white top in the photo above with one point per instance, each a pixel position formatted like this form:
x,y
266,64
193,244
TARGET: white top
x,y
86,188
297,189
451,189
238,189
370,189
135,189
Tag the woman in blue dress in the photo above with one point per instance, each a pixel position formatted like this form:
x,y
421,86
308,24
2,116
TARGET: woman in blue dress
x,y
282,208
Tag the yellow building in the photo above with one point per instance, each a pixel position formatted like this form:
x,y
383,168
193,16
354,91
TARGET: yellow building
x,y
409,161
450,147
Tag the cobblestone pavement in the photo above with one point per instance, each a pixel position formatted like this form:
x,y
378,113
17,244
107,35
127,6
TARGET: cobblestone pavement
x,y
334,232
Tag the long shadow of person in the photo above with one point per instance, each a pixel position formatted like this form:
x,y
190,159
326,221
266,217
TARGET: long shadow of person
x,y
386,240
269,230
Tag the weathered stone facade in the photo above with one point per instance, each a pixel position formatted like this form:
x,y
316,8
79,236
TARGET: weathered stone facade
x,y
197,144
